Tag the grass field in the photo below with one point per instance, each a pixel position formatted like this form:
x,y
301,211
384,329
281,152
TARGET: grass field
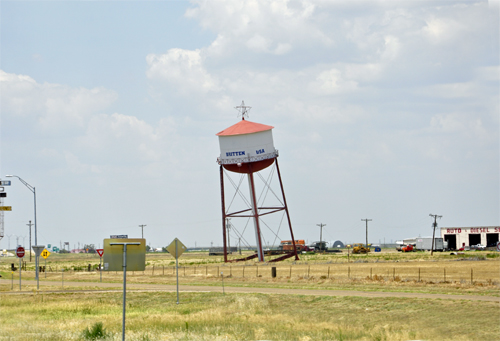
x,y
213,316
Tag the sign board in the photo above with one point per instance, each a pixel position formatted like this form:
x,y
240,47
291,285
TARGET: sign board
x,y
38,249
100,252
20,252
113,255
3,195
180,248
5,208
119,236
5,183
45,253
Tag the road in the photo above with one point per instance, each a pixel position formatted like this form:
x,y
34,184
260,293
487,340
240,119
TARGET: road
x,y
240,290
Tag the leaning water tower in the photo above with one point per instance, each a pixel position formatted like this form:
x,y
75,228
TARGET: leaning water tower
x,y
247,148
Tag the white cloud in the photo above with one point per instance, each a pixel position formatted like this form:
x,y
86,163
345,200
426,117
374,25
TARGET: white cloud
x,y
54,106
183,68
269,27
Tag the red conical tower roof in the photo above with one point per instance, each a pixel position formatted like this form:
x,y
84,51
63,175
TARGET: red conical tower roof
x,y
244,127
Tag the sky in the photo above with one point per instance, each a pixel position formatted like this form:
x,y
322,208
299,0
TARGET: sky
x,y
383,110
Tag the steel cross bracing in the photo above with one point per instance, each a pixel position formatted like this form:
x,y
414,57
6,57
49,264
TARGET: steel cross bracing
x,y
262,210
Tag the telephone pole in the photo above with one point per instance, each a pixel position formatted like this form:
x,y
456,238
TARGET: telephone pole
x,y
142,230
366,220
321,235
30,224
434,225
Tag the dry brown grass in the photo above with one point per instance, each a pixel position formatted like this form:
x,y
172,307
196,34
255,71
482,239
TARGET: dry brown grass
x,y
212,316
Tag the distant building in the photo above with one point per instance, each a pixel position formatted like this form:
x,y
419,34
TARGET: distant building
x,y
337,243
458,237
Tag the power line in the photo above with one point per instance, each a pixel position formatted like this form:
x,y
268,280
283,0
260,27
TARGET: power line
x,y
366,220
142,230
434,225
321,235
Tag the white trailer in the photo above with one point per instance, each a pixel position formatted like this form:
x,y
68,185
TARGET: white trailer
x,y
425,243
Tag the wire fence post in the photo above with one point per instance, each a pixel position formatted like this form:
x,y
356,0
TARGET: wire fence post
x,y
393,274
471,276
328,273
419,274
444,275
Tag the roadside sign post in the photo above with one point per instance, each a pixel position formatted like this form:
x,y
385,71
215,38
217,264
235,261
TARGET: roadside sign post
x,y
176,248
45,255
137,262
20,255
38,250
100,252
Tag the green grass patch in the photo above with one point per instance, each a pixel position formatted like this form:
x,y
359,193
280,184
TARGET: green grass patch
x,y
212,316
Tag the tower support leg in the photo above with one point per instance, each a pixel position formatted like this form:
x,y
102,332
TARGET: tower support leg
x,y
255,213
286,210
223,203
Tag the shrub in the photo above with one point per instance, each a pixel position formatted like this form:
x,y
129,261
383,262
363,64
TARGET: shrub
x,y
97,332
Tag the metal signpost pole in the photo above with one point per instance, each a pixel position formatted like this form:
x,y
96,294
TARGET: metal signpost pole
x,y
124,265
20,254
176,248
177,270
36,266
20,269
100,252
124,287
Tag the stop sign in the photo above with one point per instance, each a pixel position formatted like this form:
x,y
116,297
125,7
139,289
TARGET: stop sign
x,y
20,252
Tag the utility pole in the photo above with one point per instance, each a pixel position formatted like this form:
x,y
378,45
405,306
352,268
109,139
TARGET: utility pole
x,y
366,220
142,230
321,235
30,224
434,225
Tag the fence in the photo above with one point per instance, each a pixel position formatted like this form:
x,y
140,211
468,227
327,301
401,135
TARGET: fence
x,y
386,272
429,272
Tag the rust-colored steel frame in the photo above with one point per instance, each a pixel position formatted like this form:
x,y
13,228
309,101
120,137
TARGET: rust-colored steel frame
x,y
256,215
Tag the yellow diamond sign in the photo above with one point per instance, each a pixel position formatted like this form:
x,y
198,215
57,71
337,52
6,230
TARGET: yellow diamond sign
x,y
45,253
176,248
